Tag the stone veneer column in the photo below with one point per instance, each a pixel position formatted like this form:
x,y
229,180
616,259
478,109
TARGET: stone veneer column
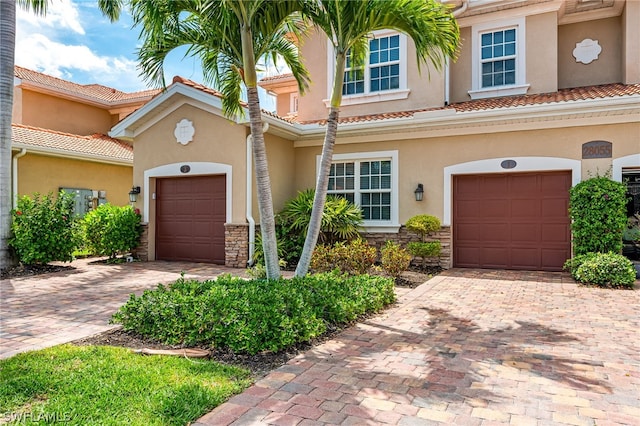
x,y
142,251
236,245
403,237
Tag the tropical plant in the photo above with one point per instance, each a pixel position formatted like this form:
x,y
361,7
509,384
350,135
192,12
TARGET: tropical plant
x,y
424,225
355,257
597,207
110,8
341,219
348,25
395,260
229,37
602,269
44,229
109,230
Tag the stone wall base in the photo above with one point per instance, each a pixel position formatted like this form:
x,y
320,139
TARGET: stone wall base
x,y
142,251
236,245
403,237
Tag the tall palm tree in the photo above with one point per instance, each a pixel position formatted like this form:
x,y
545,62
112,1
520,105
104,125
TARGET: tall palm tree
x,y
348,25
229,37
7,61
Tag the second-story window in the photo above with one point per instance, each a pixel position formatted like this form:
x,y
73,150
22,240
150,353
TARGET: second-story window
x,y
498,57
381,72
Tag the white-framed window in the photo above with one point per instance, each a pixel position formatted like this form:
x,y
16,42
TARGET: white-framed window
x,y
383,76
369,180
498,59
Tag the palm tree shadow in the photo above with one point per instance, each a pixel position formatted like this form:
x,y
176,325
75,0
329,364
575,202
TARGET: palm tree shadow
x,y
461,355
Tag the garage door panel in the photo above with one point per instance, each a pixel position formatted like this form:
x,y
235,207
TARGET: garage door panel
x,y
525,208
522,222
494,232
525,232
190,217
493,208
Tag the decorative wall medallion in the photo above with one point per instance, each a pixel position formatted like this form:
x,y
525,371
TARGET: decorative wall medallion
x,y
184,131
508,164
587,51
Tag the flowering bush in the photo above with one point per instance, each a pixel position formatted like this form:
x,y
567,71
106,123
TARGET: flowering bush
x,y
44,229
603,269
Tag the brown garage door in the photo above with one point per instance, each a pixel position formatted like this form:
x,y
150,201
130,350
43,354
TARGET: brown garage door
x,y
190,217
512,221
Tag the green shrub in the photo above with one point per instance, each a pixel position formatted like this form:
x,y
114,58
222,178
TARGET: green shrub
x,y
395,259
252,316
598,215
109,230
574,263
606,270
423,225
44,229
354,257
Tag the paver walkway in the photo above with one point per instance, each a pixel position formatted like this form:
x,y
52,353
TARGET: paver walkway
x,y
466,348
469,347
46,310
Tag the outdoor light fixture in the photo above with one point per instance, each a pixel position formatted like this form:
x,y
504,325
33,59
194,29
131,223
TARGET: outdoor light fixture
x,y
419,192
133,194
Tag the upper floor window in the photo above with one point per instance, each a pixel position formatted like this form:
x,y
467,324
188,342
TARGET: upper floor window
x,y
498,59
369,180
383,76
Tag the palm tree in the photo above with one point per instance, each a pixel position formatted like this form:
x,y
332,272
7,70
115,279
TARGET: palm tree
x,y
7,61
348,25
229,37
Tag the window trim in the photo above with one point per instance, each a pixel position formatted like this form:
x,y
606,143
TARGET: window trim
x,y
520,87
402,92
392,225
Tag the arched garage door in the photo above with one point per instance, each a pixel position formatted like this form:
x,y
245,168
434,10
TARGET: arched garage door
x,y
190,217
512,221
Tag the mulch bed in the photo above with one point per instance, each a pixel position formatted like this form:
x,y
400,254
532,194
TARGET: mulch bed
x,y
30,270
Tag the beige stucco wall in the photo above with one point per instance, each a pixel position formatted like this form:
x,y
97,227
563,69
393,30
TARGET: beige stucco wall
x,y
631,43
542,58
460,70
426,87
49,112
423,160
44,174
281,159
606,69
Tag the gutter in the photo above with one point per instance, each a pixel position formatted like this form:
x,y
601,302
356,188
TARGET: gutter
x,y
14,179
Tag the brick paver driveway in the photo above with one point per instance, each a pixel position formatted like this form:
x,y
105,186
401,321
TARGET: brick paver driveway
x,y
45,310
468,347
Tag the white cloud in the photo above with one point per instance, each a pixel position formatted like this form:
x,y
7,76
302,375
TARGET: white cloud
x,y
60,14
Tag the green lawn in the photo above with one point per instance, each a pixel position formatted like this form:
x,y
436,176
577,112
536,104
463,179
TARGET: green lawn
x,y
101,385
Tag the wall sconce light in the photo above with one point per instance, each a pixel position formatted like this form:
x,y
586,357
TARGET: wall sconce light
x,y
419,192
133,194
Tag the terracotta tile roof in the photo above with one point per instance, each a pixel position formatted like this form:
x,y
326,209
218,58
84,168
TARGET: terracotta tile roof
x,y
564,95
96,145
96,91
279,77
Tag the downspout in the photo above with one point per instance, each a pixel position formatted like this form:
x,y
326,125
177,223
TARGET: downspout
x,y
249,194
447,84
14,179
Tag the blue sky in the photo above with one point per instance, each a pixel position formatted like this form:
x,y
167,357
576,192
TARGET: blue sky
x,y
76,43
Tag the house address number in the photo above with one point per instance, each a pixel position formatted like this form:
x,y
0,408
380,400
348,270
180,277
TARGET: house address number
x,y
596,149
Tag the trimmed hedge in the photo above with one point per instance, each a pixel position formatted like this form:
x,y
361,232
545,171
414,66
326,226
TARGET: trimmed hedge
x,y
252,316
602,269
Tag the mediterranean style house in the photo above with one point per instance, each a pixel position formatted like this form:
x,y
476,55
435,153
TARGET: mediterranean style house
x,y
543,94
59,139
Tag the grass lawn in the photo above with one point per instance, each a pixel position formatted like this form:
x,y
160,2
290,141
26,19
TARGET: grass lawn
x,y
82,385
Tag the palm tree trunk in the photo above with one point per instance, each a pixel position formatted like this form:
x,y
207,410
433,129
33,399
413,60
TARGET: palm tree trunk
x,y
263,182
7,52
322,183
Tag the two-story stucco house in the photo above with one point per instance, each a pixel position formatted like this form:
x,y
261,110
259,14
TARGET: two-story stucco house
x,y
543,95
59,139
